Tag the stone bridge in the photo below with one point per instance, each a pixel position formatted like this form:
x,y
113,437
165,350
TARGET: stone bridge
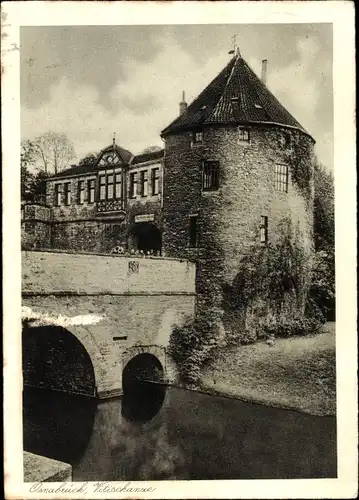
x,y
86,317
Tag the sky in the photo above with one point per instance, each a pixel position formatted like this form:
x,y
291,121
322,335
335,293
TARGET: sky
x,y
91,81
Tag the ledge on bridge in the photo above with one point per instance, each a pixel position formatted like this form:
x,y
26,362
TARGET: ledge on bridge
x,y
38,469
54,272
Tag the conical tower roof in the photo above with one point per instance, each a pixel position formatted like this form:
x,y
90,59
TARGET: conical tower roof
x,y
237,96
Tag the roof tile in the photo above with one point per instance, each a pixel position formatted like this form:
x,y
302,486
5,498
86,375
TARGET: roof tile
x,y
236,95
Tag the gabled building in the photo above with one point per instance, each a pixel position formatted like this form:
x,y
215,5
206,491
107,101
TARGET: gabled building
x,y
116,201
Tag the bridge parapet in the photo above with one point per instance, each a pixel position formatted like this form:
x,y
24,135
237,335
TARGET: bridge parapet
x,y
49,273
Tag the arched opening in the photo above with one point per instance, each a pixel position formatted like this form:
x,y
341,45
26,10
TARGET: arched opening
x,y
143,388
53,358
145,237
58,377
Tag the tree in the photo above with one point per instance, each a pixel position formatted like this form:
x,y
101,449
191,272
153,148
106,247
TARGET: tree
x,y
89,159
151,149
323,208
33,186
26,183
322,291
53,152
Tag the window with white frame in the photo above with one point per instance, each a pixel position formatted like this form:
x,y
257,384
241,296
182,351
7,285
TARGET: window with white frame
x,y
264,229
144,182
80,192
281,178
243,134
133,184
197,137
102,187
118,186
91,191
155,178
67,193
58,195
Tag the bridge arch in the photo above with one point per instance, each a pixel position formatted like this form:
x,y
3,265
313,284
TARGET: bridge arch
x,y
156,351
143,377
59,359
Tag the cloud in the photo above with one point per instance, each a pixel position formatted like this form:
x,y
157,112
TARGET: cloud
x,y
143,104
139,106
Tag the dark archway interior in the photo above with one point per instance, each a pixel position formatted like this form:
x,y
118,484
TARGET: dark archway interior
x,y
143,388
146,237
53,358
57,425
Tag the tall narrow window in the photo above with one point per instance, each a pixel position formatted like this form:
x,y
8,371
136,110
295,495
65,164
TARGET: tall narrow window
x,y
118,186
193,232
144,183
110,187
133,185
80,192
91,191
243,134
264,229
67,193
210,175
155,181
281,178
58,195
102,193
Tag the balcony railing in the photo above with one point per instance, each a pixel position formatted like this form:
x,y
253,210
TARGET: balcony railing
x,y
105,206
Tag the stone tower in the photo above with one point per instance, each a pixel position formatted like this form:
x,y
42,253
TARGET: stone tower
x,y
237,165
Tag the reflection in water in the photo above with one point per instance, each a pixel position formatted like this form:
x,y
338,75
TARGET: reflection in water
x,y
192,436
57,425
142,401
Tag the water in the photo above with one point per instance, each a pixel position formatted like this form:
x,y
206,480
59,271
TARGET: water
x,y
158,433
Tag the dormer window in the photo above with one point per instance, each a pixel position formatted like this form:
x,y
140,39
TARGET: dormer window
x,y
197,137
243,135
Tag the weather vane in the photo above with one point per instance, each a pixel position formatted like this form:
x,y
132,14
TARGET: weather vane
x,y
235,49
234,44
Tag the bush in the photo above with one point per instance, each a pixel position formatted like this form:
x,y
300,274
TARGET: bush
x,y
289,327
191,345
28,241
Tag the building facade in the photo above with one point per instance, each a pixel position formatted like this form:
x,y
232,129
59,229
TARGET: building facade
x,y
236,166
114,202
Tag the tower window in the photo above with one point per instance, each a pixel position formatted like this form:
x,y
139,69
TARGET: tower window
x,y
58,194
67,193
133,185
91,191
264,229
197,137
155,181
243,134
210,175
144,183
193,231
80,192
281,178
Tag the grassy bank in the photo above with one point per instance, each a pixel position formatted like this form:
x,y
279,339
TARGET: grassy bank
x,y
297,373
